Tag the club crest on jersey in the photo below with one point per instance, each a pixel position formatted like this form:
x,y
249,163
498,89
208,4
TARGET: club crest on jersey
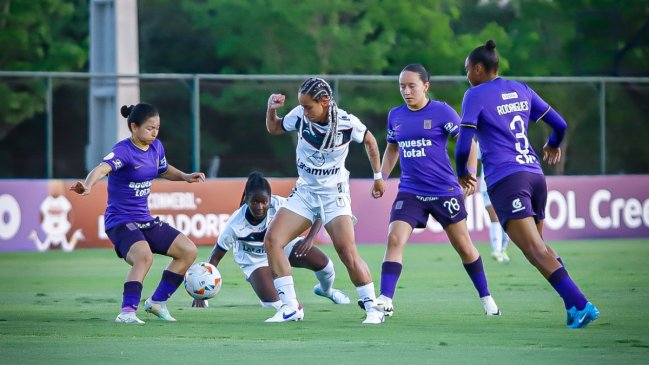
x,y
428,124
317,159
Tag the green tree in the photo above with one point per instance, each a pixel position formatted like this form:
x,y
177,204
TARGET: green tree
x,y
38,35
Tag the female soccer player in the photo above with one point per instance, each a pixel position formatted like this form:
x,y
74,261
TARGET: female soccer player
x,y
417,136
244,233
322,189
498,111
131,167
497,235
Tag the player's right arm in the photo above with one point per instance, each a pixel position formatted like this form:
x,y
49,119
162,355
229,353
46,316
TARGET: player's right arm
x,y
274,122
95,175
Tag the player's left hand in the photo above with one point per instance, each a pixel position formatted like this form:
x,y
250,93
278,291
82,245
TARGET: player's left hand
x,y
302,248
468,183
551,155
378,188
195,177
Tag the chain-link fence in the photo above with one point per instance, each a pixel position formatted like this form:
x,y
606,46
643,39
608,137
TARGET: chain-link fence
x,y
215,123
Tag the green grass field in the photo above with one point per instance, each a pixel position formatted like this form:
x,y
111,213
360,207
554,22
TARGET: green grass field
x,y
58,308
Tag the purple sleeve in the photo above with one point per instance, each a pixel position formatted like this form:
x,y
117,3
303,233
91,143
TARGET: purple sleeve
x,y
118,157
559,126
538,106
462,149
162,164
471,109
452,121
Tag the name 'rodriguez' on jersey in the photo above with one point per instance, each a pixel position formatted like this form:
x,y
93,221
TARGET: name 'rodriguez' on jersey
x,y
323,172
497,103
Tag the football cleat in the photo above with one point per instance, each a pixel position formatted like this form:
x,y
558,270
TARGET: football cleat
x,y
489,305
374,316
505,256
286,313
383,303
128,317
335,295
158,309
497,256
581,318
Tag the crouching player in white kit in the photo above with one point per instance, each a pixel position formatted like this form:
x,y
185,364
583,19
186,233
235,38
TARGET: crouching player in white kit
x,y
322,189
244,234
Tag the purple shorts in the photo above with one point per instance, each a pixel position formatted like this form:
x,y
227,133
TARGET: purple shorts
x,y
159,235
414,209
519,195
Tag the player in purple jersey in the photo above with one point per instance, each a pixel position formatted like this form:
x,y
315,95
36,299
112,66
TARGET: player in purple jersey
x,y
418,132
131,167
498,111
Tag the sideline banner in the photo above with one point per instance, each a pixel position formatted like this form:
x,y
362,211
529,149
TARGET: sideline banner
x,y
39,215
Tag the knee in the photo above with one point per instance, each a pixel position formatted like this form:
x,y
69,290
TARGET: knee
x,y
271,242
347,256
142,259
395,240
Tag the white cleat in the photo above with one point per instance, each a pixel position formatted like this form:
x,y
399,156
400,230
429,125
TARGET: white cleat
x,y
489,305
286,313
335,295
383,303
129,318
505,256
158,309
374,316
497,256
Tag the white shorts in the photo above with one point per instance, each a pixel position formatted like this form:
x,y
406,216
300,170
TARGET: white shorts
x,y
309,205
248,269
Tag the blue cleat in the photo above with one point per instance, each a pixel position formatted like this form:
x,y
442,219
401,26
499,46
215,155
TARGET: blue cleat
x,y
581,318
570,316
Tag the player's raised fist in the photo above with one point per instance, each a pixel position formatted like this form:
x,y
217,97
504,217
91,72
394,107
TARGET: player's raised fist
x,y
276,101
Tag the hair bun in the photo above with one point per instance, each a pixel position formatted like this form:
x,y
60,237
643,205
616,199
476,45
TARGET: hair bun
x,y
491,45
126,110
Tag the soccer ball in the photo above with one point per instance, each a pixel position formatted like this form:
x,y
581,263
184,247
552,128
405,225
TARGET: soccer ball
x,y
203,280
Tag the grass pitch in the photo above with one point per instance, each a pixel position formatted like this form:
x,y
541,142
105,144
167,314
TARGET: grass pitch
x,y
58,308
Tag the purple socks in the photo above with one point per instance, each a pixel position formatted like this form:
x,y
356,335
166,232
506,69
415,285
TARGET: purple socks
x,y
477,275
390,272
567,289
131,296
168,284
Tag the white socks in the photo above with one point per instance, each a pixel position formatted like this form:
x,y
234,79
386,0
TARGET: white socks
x,y
275,305
286,290
367,295
326,277
496,237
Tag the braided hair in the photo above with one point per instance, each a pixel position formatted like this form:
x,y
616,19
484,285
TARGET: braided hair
x,y
256,182
317,89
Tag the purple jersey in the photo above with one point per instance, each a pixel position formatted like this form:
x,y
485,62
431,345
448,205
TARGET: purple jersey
x,y
422,137
500,110
129,182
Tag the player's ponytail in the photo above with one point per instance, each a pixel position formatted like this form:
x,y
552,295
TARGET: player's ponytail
x,y
486,55
138,114
256,182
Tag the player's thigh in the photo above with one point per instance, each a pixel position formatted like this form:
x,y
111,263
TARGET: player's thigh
x,y
285,227
314,260
182,248
261,280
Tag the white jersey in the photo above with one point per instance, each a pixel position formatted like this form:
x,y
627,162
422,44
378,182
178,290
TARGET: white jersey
x,y
323,172
246,240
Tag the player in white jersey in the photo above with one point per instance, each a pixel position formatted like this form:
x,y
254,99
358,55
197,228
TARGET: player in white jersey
x,y
244,236
322,190
497,235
